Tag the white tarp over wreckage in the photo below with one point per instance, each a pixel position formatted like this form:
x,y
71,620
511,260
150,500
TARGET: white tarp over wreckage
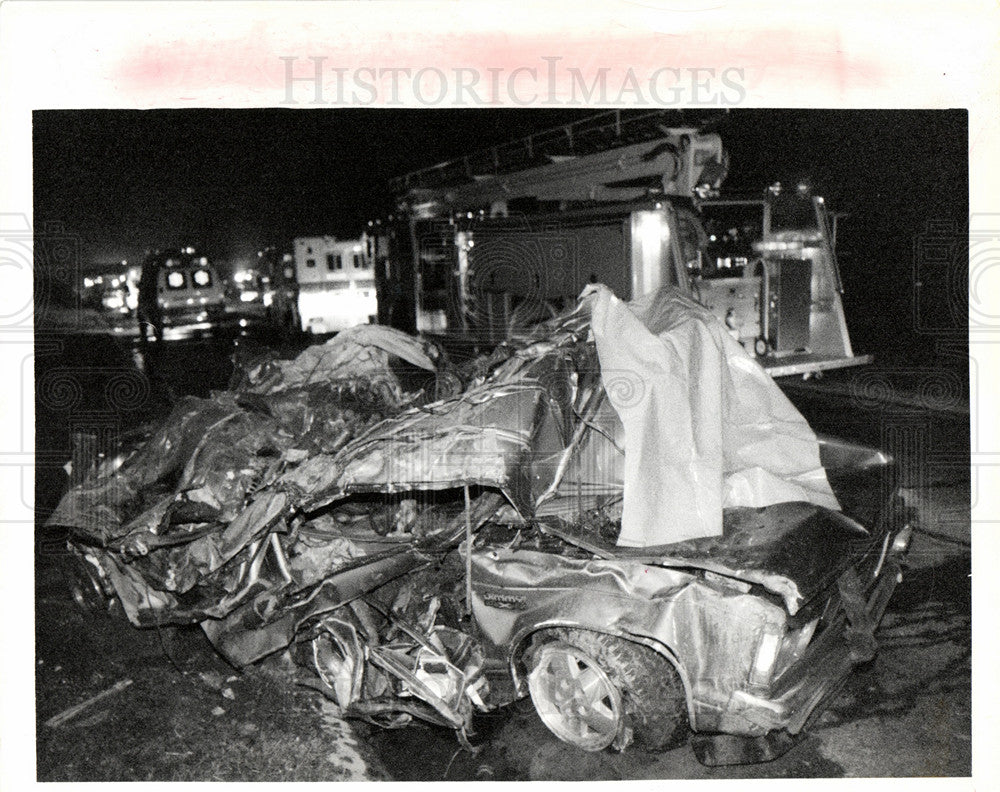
x,y
705,427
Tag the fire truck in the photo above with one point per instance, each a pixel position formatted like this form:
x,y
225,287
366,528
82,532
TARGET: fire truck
x,y
485,245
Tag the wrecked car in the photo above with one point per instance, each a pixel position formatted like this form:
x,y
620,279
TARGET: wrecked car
x,y
618,514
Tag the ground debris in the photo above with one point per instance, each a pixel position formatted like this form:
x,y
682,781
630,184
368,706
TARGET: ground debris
x,y
212,679
68,714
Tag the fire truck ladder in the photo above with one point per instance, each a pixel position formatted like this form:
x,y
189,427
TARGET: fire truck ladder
x,y
608,157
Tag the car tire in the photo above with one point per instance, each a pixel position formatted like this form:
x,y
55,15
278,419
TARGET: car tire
x,y
648,689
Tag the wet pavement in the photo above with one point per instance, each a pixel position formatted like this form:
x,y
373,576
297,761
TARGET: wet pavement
x,y
907,713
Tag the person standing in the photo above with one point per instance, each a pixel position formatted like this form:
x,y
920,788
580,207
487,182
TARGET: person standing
x,y
149,312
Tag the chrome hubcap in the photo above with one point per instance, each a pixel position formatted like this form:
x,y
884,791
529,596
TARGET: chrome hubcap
x,y
574,697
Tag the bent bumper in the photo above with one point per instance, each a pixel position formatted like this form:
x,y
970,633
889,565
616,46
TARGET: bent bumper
x,y
806,687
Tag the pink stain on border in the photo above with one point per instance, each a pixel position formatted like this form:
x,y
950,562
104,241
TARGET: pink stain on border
x,y
180,69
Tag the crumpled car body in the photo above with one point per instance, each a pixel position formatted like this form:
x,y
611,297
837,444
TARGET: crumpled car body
x,y
761,624
623,471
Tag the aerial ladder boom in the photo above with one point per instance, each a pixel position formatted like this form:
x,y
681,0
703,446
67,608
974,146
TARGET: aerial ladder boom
x,y
601,159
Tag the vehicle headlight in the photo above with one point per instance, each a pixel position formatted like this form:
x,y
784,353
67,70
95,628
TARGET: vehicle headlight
x,y
902,541
765,656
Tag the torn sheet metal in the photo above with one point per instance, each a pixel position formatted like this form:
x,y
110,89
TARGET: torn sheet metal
x,y
183,527
442,667
704,425
504,435
268,622
339,658
109,504
359,353
270,619
795,550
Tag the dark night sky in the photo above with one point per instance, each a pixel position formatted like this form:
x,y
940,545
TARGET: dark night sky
x,y
229,181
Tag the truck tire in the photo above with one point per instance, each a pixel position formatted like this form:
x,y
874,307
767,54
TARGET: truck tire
x,y
648,699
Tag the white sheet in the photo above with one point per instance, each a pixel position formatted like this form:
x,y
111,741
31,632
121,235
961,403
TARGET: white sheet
x,y
705,426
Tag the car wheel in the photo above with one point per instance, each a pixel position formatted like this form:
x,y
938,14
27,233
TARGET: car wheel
x,y
594,690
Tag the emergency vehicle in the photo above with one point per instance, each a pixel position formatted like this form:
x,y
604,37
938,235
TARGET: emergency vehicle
x,y
336,283
486,244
